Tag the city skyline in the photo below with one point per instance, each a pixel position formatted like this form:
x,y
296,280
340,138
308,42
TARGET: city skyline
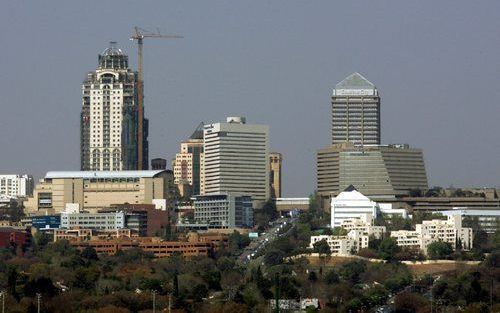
x,y
254,78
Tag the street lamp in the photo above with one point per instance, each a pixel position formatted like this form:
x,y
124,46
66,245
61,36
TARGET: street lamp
x,y
38,299
3,294
154,300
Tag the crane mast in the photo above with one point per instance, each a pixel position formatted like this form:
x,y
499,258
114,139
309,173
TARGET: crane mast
x,y
139,35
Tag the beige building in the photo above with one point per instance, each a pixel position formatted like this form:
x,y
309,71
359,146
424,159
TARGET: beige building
x,y
449,230
377,171
94,190
188,166
275,161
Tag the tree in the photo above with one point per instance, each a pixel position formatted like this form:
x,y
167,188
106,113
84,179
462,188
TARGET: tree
x,y
439,250
322,247
388,249
89,253
331,277
274,257
352,271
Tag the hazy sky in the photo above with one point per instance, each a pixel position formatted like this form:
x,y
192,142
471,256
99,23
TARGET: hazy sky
x,y
436,65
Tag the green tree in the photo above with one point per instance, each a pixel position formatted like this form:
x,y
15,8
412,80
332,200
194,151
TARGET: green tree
x,y
439,250
322,247
388,248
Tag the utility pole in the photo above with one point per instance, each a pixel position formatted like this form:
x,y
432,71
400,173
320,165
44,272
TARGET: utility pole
x,y
38,300
139,35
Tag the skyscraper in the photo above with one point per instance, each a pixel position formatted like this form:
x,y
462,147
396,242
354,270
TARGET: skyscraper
x,y
236,159
188,164
356,111
109,120
275,161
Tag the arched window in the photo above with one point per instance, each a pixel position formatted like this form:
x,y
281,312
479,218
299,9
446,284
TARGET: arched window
x,y
106,160
96,159
116,160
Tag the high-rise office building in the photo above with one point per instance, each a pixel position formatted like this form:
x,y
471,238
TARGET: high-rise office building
x,y
188,164
356,111
275,161
387,171
109,120
237,159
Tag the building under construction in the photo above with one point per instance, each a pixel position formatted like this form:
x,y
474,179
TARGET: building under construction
x,y
110,119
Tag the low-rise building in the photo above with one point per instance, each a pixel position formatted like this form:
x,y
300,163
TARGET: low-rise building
x,y
343,245
46,222
287,205
95,190
450,231
104,221
365,225
224,210
14,237
351,204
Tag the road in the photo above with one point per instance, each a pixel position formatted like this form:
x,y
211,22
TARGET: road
x,y
265,238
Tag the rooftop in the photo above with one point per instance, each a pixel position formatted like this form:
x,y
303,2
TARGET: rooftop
x,y
355,81
102,174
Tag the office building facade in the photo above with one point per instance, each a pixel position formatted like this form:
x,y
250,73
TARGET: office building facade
x,y
237,159
109,123
224,210
275,163
16,185
95,190
387,171
356,111
188,165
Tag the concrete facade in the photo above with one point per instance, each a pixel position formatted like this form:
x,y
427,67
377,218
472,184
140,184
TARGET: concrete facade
x,y
355,111
188,167
109,125
343,245
450,231
16,185
387,171
96,190
236,159
275,164
224,210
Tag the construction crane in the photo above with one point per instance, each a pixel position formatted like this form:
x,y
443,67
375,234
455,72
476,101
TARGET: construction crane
x,y
139,35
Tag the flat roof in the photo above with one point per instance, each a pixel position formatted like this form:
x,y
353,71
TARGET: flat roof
x,y
103,174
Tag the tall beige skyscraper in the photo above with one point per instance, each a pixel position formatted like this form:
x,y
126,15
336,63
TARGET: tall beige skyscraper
x,y
109,120
275,161
188,163
356,111
237,159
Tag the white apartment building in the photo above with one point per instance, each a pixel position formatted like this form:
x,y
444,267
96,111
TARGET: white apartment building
x,y
16,185
364,225
343,245
236,159
449,230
